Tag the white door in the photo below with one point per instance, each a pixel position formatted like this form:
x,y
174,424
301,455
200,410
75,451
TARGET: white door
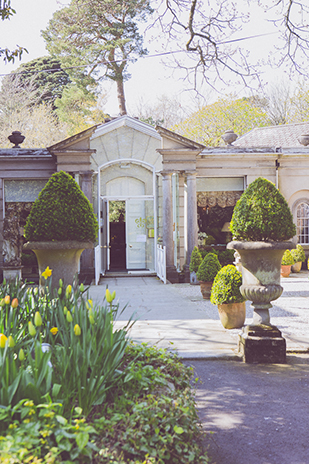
x,y
136,234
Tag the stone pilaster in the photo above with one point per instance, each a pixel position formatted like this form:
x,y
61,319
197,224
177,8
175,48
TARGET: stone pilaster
x,y
192,227
168,242
87,257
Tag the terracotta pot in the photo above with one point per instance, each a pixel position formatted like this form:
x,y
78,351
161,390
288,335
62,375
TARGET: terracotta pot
x,y
206,289
296,267
233,315
285,270
61,257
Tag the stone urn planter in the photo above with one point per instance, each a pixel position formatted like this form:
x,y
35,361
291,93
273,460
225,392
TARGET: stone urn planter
x,y
226,295
61,224
61,257
261,226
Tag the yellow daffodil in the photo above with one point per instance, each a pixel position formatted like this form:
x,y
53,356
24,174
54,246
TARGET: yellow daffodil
x,y
11,342
14,303
54,330
77,330
3,340
68,290
21,355
108,296
69,317
89,304
7,299
31,328
37,319
47,273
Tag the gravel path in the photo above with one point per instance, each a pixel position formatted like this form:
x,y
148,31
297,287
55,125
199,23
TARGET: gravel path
x,y
290,312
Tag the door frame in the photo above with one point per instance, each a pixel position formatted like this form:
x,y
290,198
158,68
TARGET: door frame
x,y
105,223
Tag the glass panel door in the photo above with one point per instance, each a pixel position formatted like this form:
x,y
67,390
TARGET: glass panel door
x,y
140,234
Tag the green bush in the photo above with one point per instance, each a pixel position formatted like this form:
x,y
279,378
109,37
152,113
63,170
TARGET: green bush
x,y
287,258
208,268
225,289
298,254
61,212
262,214
195,260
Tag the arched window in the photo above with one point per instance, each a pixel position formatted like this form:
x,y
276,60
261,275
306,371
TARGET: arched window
x,y
302,214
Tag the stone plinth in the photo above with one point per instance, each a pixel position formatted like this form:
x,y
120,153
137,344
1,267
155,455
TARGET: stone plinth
x,y
262,344
11,273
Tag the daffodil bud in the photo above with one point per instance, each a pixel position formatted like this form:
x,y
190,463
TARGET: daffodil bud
x,y
31,328
7,299
77,330
91,319
114,294
81,287
108,296
59,291
65,310
14,303
69,317
3,340
21,355
60,283
37,319
2,302
11,342
68,290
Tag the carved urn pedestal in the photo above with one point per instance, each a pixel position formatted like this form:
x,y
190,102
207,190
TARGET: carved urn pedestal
x,y
261,342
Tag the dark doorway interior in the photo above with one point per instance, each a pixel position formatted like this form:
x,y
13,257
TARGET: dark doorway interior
x,y
117,233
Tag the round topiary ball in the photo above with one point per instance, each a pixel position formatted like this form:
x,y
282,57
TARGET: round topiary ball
x,y
208,268
262,214
298,254
225,289
287,258
61,213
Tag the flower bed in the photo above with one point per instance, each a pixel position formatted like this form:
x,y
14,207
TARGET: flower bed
x,y
74,390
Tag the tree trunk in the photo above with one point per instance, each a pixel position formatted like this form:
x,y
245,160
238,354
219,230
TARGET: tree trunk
x,y
121,98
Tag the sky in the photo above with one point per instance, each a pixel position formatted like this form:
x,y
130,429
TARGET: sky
x,y
150,78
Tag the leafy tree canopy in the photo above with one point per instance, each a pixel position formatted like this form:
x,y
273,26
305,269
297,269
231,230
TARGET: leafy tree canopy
x,y
207,125
46,75
98,38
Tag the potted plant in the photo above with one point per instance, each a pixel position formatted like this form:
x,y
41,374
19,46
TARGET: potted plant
x,y
261,226
206,273
195,261
61,224
226,294
299,257
286,263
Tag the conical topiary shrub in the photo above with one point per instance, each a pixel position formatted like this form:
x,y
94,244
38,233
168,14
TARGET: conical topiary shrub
x,y
209,268
60,226
62,212
262,214
196,259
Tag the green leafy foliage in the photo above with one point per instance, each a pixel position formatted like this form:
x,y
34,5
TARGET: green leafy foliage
x,y
262,214
195,260
207,125
47,77
61,212
298,254
208,268
287,258
225,289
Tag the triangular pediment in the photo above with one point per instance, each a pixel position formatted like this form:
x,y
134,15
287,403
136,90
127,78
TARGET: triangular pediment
x,y
171,140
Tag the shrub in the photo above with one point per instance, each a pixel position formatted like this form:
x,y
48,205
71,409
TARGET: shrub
x,y
61,212
225,289
298,254
208,268
287,258
262,214
195,260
